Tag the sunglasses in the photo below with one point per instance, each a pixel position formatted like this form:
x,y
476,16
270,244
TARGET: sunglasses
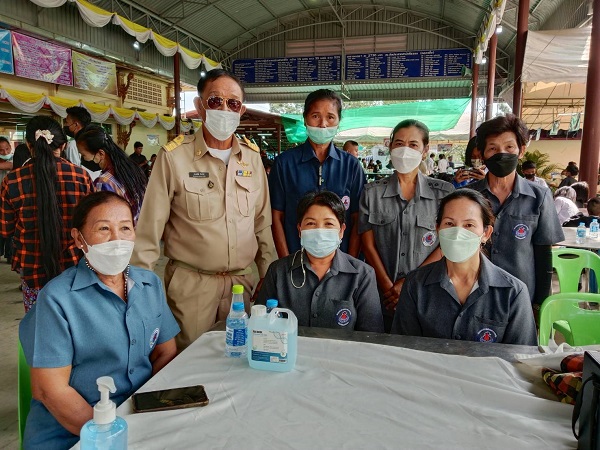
x,y
215,102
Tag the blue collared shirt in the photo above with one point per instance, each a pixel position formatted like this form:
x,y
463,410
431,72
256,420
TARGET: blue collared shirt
x,y
296,172
526,218
345,298
497,310
78,321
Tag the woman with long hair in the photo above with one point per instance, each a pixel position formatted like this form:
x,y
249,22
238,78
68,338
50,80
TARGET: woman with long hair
x,y
36,206
119,173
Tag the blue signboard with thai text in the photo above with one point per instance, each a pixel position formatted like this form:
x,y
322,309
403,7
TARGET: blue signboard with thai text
x,y
6,59
363,67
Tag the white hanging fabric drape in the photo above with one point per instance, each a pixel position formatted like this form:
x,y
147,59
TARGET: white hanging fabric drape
x,y
98,17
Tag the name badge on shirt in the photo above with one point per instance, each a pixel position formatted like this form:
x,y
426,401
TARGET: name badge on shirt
x,y
243,173
198,174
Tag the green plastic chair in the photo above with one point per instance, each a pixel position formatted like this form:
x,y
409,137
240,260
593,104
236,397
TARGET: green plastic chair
x,y
563,313
24,392
569,263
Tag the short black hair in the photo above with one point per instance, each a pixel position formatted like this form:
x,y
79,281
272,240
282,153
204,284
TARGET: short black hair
x,y
529,164
321,198
593,206
572,169
499,125
212,75
153,155
351,142
5,139
81,114
89,202
441,156
412,123
137,144
582,191
323,94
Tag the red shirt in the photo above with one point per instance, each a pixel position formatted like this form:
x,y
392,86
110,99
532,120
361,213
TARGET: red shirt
x,y
18,217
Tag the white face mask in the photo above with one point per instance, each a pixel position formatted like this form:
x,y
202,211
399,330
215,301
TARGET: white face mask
x,y
320,242
458,244
321,135
405,159
109,258
221,124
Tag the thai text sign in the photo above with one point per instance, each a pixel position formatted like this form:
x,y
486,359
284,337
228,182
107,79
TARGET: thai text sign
x,y
93,74
41,60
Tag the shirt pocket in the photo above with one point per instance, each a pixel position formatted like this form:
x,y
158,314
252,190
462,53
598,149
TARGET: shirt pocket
x,y
425,234
246,192
488,330
151,333
202,202
522,226
381,218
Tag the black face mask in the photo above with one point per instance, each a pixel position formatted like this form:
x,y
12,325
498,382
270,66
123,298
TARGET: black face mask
x,y
502,164
530,176
68,131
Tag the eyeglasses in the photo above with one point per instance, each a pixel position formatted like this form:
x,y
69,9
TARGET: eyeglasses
x,y
215,102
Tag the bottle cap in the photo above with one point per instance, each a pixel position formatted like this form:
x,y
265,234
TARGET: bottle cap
x,y
272,303
237,289
238,306
581,224
258,310
105,411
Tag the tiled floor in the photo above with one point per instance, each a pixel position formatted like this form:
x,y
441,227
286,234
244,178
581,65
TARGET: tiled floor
x,y
11,313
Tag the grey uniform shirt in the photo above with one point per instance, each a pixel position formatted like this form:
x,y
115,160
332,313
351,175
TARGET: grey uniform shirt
x,y
527,218
345,298
498,310
404,231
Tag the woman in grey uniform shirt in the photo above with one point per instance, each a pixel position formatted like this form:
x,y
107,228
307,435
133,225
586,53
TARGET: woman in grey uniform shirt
x,y
324,286
464,296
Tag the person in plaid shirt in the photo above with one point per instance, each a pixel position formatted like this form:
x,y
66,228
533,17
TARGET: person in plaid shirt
x,y
119,173
36,206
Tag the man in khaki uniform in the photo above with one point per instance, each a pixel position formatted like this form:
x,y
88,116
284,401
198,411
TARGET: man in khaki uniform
x,y
208,199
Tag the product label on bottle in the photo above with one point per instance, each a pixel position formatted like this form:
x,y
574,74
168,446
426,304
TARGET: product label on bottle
x,y
269,346
235,337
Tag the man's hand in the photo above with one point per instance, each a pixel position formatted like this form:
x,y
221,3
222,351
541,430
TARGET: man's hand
x,y
391,296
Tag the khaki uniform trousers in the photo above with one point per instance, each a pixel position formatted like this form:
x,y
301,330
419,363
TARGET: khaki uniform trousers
x,y
198,300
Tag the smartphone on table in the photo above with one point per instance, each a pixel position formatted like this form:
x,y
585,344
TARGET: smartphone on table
x,y
177,398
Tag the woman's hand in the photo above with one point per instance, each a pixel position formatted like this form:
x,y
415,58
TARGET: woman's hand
x,y
462,175
391,296
478,174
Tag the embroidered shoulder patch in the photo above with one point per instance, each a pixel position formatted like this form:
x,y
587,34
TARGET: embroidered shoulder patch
x,y
172,145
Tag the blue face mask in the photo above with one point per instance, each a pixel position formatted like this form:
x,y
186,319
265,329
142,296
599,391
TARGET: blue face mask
x,y
320,242
6,157
321,135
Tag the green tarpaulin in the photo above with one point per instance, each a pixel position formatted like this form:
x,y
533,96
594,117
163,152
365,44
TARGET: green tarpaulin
x,y
438,115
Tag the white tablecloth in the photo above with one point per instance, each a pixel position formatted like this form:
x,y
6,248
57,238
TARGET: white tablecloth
x,y
352,395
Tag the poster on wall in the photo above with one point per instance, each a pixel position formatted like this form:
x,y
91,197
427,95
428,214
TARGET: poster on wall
x,y
41,60
6,60
93,74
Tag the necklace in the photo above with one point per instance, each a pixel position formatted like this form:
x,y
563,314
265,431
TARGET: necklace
x,y
125,276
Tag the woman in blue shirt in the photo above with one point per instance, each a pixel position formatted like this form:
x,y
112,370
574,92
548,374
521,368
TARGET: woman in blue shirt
x,y
463,295
101,317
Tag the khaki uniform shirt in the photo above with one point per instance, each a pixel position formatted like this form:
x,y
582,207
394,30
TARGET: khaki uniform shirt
x,y
213,217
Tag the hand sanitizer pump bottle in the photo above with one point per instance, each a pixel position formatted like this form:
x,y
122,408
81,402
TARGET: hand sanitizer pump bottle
x,y
105,431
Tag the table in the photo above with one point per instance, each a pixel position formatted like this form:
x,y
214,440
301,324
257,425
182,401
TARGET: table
x,y
353,393
570,240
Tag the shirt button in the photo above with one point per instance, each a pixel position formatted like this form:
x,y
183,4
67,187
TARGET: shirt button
x,y
130,371
495,251
315,315
405,234
458,336
317,293
220,169
402,254
133,341
382,222
405,212
496,233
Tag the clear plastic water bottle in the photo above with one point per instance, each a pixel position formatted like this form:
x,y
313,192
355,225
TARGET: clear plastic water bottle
x,y
594,229
581,230
236,332
271,303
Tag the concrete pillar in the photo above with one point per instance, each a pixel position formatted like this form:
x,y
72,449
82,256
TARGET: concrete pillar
x,y
590,143
522,23
489,104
